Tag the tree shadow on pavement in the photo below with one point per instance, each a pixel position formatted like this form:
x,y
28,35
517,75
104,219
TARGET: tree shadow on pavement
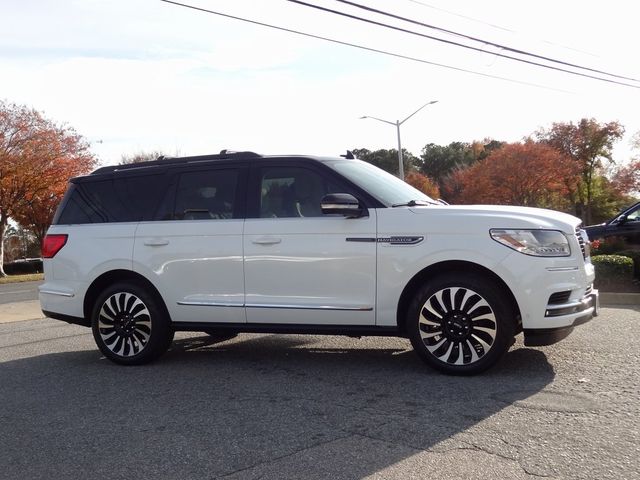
x,y
255,406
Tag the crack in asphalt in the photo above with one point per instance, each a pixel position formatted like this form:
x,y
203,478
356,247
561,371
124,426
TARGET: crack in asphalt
x,y
275,459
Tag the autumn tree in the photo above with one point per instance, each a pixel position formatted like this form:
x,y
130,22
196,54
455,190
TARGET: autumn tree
x,y
37,157
423,183
528,174
587,143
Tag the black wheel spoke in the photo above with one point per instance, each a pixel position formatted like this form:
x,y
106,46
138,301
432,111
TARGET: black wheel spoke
x,y
124,324
457,326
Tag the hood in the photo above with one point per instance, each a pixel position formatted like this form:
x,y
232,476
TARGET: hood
x,y
501,216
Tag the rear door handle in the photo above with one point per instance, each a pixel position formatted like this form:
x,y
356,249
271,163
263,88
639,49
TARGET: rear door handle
x,y
156,242
266,240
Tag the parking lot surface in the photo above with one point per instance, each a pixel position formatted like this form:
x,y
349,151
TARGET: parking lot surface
x,y
313,407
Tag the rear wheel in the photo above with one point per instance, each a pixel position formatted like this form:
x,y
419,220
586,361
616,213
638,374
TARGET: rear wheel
x,y
129,325
461,324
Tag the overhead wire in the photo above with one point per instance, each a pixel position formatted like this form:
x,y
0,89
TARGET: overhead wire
x,y
480,40
457,44
497,27
362,47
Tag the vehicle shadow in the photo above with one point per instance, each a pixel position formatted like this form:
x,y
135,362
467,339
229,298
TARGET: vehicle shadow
x,y
271,406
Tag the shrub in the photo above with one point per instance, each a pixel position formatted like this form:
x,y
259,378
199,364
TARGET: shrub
x,y
613,271
25,266
635,256
608,246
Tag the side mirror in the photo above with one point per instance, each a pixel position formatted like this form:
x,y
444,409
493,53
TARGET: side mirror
x,y
342,204
621,219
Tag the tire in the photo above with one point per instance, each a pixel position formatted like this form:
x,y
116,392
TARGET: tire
x,y
220,335
461,324
129,324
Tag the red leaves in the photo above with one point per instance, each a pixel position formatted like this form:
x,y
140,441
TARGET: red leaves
x,y
37,157
530,174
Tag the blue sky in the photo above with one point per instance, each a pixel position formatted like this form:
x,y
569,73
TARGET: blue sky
x,y
146,75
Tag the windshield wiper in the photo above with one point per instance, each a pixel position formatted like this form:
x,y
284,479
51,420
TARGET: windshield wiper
x,y
414,203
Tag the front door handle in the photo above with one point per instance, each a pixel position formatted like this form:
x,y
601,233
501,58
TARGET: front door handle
x,y
266,240
156,242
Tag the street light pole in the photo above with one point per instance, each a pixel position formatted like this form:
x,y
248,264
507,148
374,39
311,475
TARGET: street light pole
x,y
397,124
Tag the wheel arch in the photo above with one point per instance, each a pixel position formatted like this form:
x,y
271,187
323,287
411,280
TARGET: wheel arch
x,y
459,266
115,276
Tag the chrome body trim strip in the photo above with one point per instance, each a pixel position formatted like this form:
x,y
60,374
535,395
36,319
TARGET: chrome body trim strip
x,y
59,294
211,304
310,307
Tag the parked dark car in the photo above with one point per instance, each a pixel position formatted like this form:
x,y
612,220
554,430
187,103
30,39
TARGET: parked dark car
x,y
625,225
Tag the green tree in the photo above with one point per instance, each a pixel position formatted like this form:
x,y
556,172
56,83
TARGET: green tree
x,y
587,143
440,162
387,160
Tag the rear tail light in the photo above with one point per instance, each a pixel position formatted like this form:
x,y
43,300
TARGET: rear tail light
x,y
52,244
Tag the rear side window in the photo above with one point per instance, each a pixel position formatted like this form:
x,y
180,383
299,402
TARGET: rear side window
x,y
126,199
206,195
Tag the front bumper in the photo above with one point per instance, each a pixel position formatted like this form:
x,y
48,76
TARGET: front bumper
x,y
582,311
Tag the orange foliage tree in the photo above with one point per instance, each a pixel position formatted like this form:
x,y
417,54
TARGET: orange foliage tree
x,y
423,183
37,157
528,174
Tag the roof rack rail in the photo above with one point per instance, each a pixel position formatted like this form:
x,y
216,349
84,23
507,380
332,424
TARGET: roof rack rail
x,y
162,160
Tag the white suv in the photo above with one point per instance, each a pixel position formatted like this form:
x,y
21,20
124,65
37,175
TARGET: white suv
x,y
239,242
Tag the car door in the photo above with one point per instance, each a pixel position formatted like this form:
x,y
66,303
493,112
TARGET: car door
x,y
630,228
303,267
192,252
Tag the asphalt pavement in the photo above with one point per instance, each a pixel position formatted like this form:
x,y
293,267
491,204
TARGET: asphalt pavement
x,y
314,407
19,292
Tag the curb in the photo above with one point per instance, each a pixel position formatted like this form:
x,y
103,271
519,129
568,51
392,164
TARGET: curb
x,y
610,299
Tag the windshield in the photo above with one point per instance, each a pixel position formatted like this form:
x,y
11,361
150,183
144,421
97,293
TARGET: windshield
x,y
385,187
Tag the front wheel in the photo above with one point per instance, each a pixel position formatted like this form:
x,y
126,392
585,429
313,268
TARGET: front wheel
x,y
129,325
461,324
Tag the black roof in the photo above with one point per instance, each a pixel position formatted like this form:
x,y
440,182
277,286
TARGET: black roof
x,y
166,161
223,155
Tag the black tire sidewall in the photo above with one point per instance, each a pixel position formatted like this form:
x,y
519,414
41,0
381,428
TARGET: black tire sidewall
x,y
495,297
161,331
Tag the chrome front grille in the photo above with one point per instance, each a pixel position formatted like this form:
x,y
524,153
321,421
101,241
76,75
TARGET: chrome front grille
x,y
581,242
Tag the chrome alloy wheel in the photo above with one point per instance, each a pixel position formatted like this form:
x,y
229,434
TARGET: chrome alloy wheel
x,y
124,324
457,326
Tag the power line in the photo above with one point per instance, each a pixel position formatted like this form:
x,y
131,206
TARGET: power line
x,y
462,45
480,40
362,47
497,27
461,16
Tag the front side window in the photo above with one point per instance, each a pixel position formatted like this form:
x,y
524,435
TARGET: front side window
x,y
292,192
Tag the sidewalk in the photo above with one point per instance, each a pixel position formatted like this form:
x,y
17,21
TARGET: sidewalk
x,y
19,311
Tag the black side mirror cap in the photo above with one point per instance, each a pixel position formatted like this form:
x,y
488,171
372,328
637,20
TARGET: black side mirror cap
x,y
341,204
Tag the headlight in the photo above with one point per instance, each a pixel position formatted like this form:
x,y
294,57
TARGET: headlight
x,y
540,243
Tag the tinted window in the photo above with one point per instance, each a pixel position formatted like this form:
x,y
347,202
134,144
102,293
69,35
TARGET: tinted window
x,y
127,199
292,192
206,195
